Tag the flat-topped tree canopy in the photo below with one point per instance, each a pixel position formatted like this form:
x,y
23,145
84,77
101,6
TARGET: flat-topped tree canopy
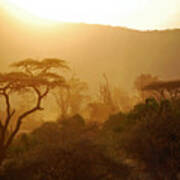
x,y
39,77
168,85
45,65
19,80
166,89
33,74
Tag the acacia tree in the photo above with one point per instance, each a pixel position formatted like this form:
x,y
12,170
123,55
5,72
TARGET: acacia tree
x,y
142,81
31,76
165,89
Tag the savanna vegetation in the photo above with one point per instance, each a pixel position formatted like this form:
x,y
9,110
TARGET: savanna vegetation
x,y
108,135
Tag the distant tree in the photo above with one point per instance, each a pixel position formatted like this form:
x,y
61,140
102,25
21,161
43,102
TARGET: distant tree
x,y
110,100
165,89
142,81
106,96
71,98
123,102
104,105
31,76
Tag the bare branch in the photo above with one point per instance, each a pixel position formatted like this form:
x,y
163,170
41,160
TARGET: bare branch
x,y
1,125
19,121
7,104
8,109
8,119
3,89
27,113
37,91
45,93
40,96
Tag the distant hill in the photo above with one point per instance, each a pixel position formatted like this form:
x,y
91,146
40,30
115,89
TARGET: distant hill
x,y
92,50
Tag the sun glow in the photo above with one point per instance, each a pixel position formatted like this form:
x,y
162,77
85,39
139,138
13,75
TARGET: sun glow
x,y
138,14
77,11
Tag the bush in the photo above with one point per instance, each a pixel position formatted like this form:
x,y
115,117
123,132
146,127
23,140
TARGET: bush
x,y
80,157
154,141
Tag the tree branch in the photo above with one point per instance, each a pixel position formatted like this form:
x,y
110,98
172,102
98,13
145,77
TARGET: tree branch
x,y
8,111
1,126
18,124
2,132
9,118
39,97
25,114
7,104
9,114
45,93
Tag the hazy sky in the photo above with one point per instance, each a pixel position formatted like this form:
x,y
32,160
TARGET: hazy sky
x,y
140,14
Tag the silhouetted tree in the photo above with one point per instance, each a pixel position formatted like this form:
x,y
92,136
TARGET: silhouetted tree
x,y
165,89
106,96
142,81
31,76
71,98
104,105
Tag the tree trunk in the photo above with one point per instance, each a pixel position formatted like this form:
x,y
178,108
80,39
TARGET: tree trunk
x,y
2,155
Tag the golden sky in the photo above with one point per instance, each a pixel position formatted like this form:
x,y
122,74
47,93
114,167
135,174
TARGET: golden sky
x,y
138,14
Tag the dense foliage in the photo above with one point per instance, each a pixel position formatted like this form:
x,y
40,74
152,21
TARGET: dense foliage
x,y
143,143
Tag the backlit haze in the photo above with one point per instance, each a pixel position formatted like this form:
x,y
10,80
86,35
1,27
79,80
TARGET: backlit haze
x,y
103,41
